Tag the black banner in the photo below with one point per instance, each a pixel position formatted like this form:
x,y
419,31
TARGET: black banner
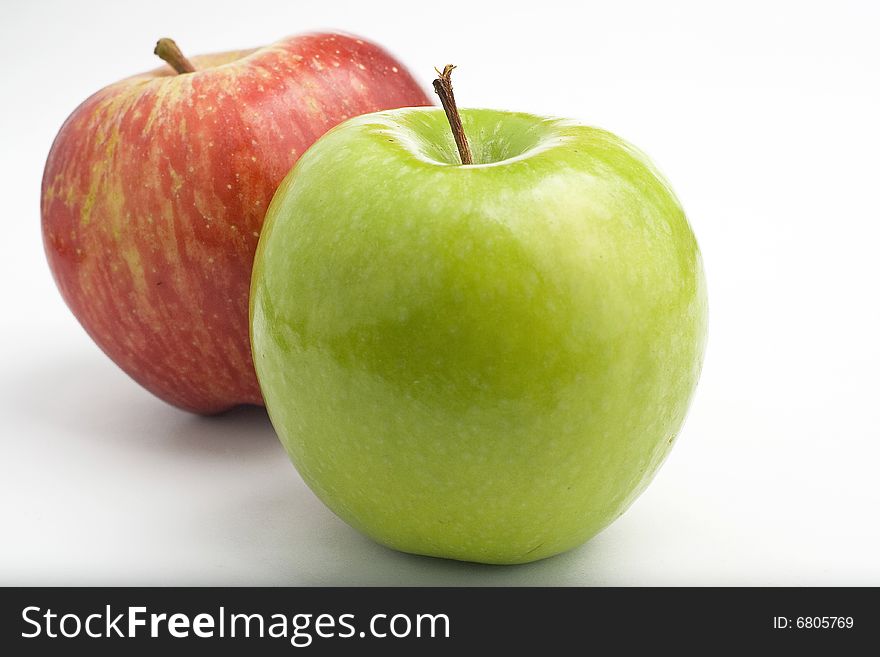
x,y
114,621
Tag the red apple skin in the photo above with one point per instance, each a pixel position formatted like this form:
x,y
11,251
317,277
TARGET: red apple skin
x,y
154,194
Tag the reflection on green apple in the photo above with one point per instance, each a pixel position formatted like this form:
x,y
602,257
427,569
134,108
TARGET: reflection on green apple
x,y
485,362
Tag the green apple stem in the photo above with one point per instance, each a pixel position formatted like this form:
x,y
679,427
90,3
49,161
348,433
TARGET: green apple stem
x,y
443,88
169,52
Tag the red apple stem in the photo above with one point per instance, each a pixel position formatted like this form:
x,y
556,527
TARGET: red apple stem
x,y
170,53
443,88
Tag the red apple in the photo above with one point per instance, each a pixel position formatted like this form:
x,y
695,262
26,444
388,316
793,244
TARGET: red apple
x,y
154,194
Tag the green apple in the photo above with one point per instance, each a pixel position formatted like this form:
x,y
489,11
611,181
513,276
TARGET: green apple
x,y
483,362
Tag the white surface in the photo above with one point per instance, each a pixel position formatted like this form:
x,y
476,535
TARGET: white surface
x,y
765,118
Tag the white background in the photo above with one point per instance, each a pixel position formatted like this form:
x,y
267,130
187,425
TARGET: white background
x,y
764,115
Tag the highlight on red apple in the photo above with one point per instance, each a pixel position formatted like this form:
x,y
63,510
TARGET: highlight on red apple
x,y
155,189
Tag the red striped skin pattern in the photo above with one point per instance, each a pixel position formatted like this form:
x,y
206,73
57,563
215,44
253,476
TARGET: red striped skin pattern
x,y
154,193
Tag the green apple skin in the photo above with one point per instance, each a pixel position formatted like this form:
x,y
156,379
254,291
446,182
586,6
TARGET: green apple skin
x,y
484,362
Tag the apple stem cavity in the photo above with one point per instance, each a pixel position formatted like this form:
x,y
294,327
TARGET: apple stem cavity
x,y
443,88
169,52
